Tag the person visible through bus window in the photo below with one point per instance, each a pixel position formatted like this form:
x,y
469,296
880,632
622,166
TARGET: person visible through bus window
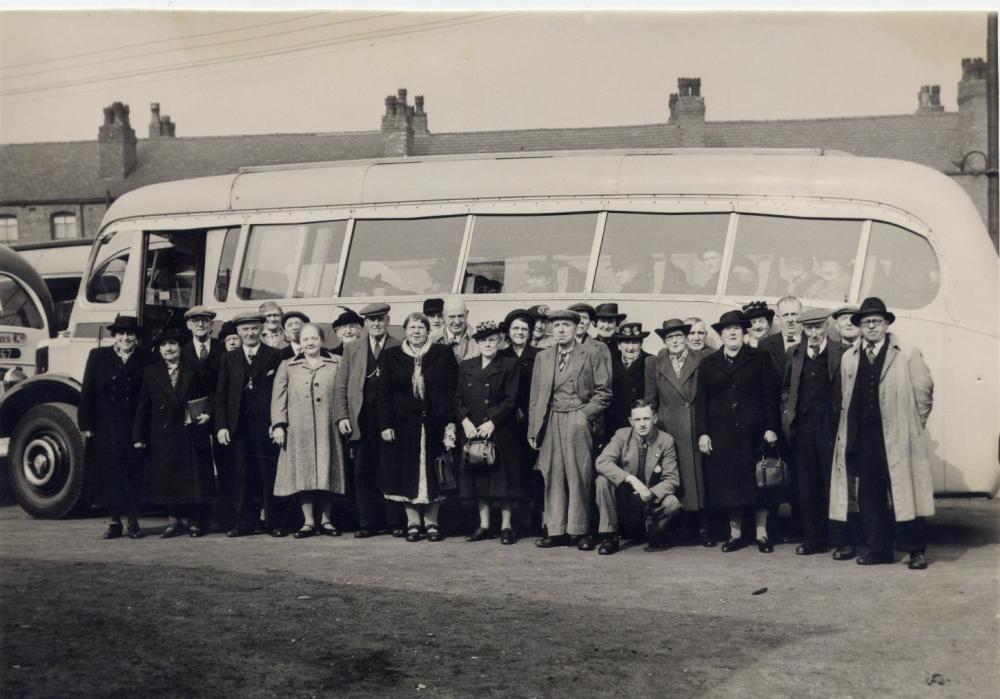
x,y
416,419
112,380
742,277
272,334
883,442
833,282
760,317
736,415
178,459
633,273
485,405
434,310
792,276
712,261
311,461
539,279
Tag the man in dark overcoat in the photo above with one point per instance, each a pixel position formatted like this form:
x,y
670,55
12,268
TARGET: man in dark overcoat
x,y
628,375
243,422
570,390
809,400
355,411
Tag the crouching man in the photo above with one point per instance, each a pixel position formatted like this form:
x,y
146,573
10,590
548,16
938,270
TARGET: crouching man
x,y
637,482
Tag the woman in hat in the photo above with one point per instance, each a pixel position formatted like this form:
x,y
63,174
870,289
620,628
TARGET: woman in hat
x,y
760,318
311,463
415,399
628,374
520,328
178,461
485,404
347,326
108,397
736,413
229,336
671,388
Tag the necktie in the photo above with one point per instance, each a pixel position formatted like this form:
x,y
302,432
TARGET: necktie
x,y
870,351
641,468
563,356
203,353
377,348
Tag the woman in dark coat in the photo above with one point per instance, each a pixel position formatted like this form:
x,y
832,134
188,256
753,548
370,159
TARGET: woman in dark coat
x,y
736,412
178,457
628,375
485,400
108,398
415,415
520,327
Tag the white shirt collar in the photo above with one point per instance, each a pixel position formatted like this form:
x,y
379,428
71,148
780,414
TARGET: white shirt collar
x,y
877,346
822,347
248,350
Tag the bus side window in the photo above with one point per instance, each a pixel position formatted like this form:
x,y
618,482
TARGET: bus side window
x,y
226,262
780,256
538,254
105,285
16,307
660,253
389,257
289,260
900,268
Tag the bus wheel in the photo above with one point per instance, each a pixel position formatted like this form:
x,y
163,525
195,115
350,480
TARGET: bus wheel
x,y
45,462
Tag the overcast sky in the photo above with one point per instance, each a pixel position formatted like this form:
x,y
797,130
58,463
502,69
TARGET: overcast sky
x,y
244,73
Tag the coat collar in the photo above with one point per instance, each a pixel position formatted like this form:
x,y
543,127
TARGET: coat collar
x,y
745,354
300,360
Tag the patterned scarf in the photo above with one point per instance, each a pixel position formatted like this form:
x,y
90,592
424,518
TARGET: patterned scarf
x,y
417,380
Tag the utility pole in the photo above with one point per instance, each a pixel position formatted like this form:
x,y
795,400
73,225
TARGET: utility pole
x,y
991,127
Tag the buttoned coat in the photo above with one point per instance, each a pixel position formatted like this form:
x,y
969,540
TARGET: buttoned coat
x,y
628,384
905,396
620,459
525,367
673,400
108,398
793,375
349,390
736,404
491,394
178,463
593,383
210,367
312,457
234,376
774,346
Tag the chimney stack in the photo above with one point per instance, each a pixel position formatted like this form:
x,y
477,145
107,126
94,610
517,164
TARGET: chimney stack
x,y
116,141
397,126
159,127
687,111
929,100
972,107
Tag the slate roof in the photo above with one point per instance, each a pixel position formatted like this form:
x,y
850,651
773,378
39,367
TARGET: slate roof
x,y
69,171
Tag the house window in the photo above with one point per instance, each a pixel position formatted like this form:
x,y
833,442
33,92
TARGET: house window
x,y
64,226
8,229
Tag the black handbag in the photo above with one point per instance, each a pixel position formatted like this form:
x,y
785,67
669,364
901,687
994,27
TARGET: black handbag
x,y
445,468
479,455
771,471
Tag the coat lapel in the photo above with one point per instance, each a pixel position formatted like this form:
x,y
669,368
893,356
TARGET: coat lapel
x,y
890,355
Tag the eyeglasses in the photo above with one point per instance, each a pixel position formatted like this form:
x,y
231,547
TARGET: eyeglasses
x,y
872,322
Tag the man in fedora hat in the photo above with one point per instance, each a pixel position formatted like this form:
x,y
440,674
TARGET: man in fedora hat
x,y
809,421
887,395
628,371
271,333
355,409
570,389
243,424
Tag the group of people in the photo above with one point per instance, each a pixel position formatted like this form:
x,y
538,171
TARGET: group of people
x,y
558,414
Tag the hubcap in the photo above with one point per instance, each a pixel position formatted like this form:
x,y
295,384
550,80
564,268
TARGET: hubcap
x,y
42,459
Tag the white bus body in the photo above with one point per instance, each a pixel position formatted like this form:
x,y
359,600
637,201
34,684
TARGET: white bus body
x,y
515,230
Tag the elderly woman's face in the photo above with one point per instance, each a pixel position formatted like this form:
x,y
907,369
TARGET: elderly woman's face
x,y
630,350
348,333
518,332
310,340
170,350
489,345
126,341
606,327
233,341
759,328
732,336
416,333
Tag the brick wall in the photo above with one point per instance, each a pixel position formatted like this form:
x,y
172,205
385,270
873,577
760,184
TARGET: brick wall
x,y
34,223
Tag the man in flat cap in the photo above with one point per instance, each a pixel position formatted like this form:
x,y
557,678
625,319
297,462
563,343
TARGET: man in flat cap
x,y
456,330
243,424
570,390
809,419
272,334
355,409
887,397
849,332
291,326
434,310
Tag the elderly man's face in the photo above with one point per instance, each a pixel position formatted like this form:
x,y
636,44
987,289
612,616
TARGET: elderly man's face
x,y
814,333
377,325
848,331
873,328
789,311
641,420
200,326
712,259
584,325
456,316
436,321
697,336
272,321
249,333
293,326
562,331
606,327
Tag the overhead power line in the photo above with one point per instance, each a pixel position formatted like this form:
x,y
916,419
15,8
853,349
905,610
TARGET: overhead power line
x,y
350,38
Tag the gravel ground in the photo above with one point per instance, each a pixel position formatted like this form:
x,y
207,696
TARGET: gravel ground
x,y
381,617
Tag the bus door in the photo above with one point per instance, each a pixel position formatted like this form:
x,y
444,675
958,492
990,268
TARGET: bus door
x,y
173,271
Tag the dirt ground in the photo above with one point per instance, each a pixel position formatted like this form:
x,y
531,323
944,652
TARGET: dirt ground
x,y
260,617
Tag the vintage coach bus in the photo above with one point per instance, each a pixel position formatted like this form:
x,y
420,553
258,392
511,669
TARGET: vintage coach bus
x,y
665,233
26,317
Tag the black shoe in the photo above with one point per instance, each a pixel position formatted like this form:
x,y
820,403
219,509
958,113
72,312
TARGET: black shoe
x,y
328,529
172,530
765,546
400,532
412,533
196,531
434,533
278,533
133,530
918,561
844,553
362,533
733,545
239,531
658,543
873,559
114,531
507,536
585,542
481,534
609,546
307,531
548,542
707,540
804,550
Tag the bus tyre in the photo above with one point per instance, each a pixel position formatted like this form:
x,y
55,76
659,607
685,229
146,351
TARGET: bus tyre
x,y
45,462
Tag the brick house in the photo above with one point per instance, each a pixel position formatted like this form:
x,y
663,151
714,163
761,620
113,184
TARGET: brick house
x,y
61,190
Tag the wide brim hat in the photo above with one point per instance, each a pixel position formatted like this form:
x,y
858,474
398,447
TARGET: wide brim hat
x,y
630,332
872,306
564,314
609,310
486,329
731,318
180,335
348,317
814,316
294,314
228,328
582,308
124,324
758,309
671,326
519,314
540,312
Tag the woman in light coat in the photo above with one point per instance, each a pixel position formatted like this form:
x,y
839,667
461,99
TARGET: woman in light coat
x,y
311,464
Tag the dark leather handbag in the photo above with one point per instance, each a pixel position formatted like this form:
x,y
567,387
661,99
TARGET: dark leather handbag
x,y
479,455
771,471
445,468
